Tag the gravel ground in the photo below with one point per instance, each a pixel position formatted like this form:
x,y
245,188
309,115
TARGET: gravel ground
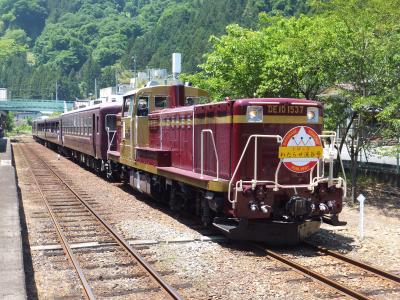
x,y
211,270
53,275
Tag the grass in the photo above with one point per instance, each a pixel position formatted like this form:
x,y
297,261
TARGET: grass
x,y
22,129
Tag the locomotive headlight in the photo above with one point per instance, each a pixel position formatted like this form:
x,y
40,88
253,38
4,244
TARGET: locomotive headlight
x,y
312,115
254,114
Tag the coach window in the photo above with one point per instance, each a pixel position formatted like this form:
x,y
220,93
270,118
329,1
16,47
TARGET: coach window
x,y
143,106
97,124
87,120
90,122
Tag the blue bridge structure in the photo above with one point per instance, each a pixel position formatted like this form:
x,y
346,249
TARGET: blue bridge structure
x,y
36,105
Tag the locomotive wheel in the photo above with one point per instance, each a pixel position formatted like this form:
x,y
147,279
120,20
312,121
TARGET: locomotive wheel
x,y
206,214
176,202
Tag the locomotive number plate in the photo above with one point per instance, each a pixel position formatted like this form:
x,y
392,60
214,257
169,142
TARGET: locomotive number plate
x,y
300,152
286,109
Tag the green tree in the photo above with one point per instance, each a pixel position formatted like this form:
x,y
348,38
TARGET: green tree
x,y
369,68
10,48
109,49
29,15
286,57
10,122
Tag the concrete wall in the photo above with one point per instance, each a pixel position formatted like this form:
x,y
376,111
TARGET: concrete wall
x,y
3,94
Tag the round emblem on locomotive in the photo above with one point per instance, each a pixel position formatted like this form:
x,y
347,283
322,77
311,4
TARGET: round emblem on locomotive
x,y
301,149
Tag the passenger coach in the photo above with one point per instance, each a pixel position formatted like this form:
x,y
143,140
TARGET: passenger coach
x,y
80,134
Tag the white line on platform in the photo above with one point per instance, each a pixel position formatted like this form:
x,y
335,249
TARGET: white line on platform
x,y
5,162
131,242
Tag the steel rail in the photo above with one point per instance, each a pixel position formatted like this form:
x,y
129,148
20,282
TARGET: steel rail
x,y
377,271
64,243
315,275
121,241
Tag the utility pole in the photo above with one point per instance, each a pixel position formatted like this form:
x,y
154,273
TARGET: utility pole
x,y
134,70
116,82
95,88
56,90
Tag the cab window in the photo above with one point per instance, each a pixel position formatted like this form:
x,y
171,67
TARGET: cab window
x,y
142,106
189,101
160,102
131,104
128,106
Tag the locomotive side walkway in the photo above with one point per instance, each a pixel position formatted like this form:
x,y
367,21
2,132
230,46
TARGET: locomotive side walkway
x,y
12,277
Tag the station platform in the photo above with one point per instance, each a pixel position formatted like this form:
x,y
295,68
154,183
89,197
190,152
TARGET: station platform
x,y
12,276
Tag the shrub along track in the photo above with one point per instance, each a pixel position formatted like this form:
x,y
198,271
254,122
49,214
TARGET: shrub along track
x,y
70,213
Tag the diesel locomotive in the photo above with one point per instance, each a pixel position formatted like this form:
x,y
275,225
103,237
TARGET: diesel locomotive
x,y
258,169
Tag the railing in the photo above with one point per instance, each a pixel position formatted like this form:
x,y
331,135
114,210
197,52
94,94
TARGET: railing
x,y
275,185
202,152
110,133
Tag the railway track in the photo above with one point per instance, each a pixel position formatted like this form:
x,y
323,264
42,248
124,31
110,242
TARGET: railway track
x,y
51,188
75,220
387,281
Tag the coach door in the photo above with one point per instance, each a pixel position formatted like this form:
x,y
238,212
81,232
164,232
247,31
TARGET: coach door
x,y
94,133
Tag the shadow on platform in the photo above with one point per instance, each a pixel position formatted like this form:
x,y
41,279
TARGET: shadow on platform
x,y
3,145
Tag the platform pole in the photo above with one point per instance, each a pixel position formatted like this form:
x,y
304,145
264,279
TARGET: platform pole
x,y
361,199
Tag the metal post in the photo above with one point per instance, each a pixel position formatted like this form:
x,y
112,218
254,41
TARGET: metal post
x,y
361,199
56,90
134,70
116,82
255,158
95,88
202,153
398,159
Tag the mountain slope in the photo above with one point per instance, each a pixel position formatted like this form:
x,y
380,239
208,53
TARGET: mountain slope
x,y
76,41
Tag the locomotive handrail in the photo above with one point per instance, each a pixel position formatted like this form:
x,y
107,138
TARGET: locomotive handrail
x,y
275,185
255,136
202,152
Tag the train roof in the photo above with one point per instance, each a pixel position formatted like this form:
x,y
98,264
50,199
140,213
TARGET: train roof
x,y
92,107
50,119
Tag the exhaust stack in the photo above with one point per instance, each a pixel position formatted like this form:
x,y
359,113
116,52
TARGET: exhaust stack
x,y
176,64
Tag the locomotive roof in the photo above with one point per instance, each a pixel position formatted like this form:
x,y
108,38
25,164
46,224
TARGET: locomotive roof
x,y
148,88
279,100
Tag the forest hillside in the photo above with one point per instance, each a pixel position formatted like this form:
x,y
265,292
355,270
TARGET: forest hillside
x,y
75,41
